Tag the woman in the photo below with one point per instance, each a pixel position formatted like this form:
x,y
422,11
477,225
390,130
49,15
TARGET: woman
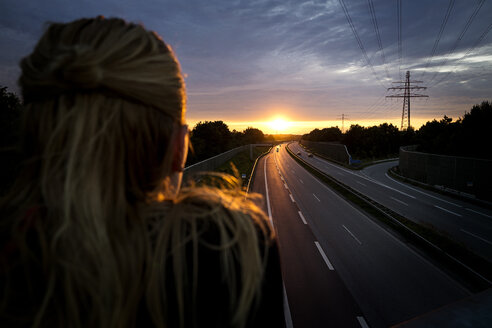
x,y
96,230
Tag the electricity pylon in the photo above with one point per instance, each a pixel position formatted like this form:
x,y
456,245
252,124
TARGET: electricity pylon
x,y
406,86
343,120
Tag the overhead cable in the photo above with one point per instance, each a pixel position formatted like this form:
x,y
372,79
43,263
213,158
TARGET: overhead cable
x,y
378,36
439,35
359,41
463,31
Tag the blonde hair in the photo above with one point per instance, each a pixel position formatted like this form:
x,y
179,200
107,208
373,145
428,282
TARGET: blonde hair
x,y
103,98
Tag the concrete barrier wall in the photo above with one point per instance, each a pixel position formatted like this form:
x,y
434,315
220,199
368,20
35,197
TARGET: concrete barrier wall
x,y
334,151
464,174
213,162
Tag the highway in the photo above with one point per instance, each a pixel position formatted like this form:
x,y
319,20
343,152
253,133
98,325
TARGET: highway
x,y
462,221
341,268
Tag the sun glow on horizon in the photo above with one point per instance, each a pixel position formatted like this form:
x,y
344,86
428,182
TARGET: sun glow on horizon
x,y
279,124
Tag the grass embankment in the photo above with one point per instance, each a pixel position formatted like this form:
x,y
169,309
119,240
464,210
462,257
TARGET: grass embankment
x,y
242,162
431,241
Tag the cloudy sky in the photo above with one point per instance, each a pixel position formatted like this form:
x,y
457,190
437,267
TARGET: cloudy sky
x,y
251,61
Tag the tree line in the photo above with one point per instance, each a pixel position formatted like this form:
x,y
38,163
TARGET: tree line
x,y
210,138
468,136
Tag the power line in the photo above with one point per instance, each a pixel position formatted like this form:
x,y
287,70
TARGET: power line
x,y
439,35
359,41
398,10
378,36
469,51
373,108
463,31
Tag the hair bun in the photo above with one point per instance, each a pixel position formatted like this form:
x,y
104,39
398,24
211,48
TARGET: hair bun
x,y
77,68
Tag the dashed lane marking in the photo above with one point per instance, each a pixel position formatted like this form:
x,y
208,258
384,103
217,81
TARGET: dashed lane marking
x,y
478,237
469,209
399,201
353,236
323,255
423,193
445,210
302,217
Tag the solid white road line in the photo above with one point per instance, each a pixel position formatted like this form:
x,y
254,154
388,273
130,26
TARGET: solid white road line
x,y
424,193
287,315
285,185
292,198
472,234
266,193
399,201
469,209
362,322
352,234
325,258
445,210
316,198
302,217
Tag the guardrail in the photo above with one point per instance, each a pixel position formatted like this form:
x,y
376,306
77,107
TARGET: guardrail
x,y
253,170
402,225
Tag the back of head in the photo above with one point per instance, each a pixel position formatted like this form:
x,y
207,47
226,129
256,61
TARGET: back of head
x,y
102,99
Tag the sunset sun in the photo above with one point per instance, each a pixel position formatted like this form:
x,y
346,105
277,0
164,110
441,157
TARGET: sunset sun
x,y
279,125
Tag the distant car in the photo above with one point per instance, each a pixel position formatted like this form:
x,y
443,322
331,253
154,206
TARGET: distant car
x,y
299,153
310,155
277,150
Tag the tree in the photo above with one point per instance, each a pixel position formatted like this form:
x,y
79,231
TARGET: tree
x,y
354,140
476,130
465,137
325,135
10,116
252,136
10,113
209,139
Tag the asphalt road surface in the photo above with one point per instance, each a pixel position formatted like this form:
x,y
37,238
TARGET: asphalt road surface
x,y
341,268
462,221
